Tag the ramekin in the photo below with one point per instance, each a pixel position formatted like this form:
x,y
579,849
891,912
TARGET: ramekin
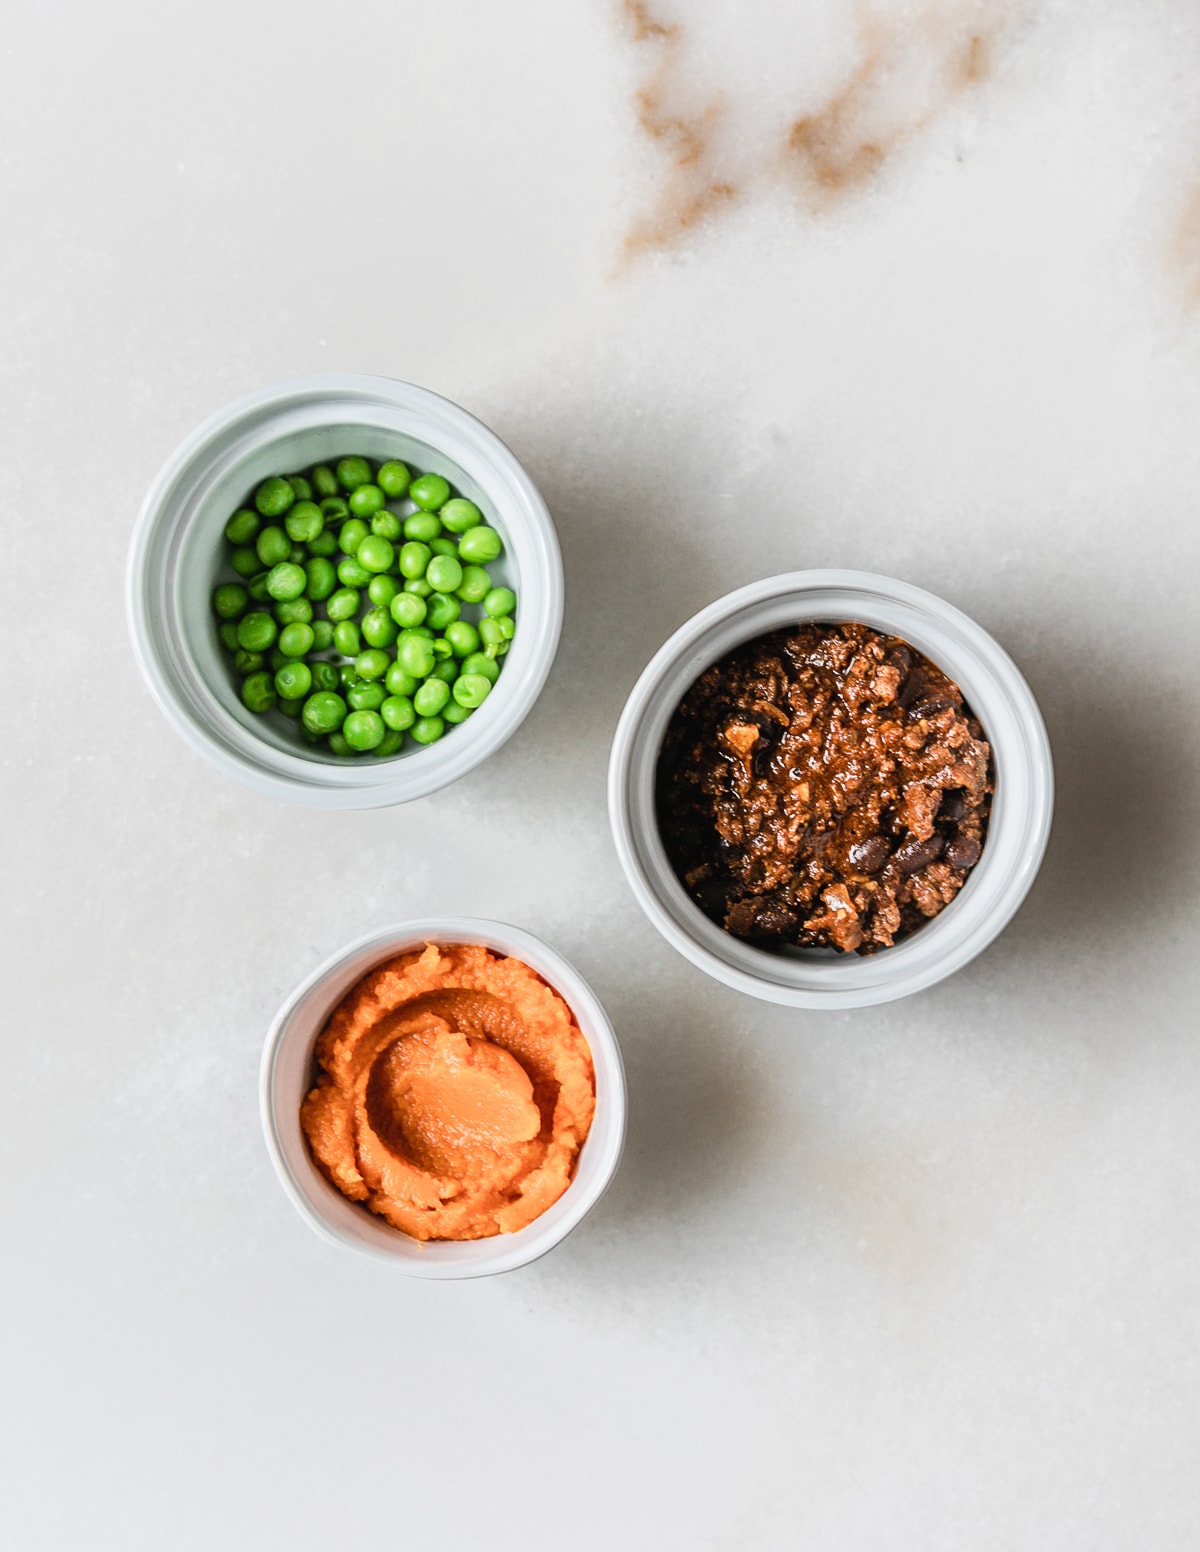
x,y
177,547
287,1072
1017,831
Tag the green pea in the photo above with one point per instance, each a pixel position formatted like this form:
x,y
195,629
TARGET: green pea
x,y
297,554
295,640
325,545
322,635
445,669
292,709
366,500
368,695
325,676
227,631
501,600
274,496
304,522
334,509
442,611
431,697
423,526
508,627
392,479
257,587
273,546
397,712
414,558
363,730
229,600
463,638
344,604
388,744
245,562
242,526
414,655
293,681
294,611
381,590
286,580
387,525
375,554
480,663
352,534
418,587
444,573
250,662
320,578
324,480
324,712
490,633
371,664
398,682
338,745
429,492
351,574
444,547
407,609
472,690
378,628
454,713
346,638
476,584
301,489
459,514
442,648
353,472
427,730
480,545
258,692
256,632
347,678
420,630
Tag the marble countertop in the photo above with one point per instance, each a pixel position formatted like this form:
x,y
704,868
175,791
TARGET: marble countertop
x,y
913,287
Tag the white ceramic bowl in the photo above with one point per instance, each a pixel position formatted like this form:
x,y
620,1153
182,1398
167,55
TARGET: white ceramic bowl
x,y
177,547
1017,831
287,1073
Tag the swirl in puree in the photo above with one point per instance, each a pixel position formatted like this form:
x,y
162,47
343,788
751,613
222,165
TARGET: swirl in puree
x,y
454,1091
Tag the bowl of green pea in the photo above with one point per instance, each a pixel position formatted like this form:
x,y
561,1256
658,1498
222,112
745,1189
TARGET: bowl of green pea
x,y
344,591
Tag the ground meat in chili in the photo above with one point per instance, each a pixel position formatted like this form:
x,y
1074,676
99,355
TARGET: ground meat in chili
x,y
824,786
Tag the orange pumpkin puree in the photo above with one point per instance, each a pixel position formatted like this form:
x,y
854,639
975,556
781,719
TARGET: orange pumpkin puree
x,y
454,1092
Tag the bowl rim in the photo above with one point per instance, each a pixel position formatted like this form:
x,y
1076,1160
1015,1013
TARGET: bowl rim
x,y
1024,765
290,776
511,1251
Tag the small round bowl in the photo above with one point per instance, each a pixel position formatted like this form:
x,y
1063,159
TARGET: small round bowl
x,y
177,549
1017,831
287,1075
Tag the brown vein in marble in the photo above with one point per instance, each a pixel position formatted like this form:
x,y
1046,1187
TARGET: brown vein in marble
x,y
644,26
836,151
829,153
691,191
1185,250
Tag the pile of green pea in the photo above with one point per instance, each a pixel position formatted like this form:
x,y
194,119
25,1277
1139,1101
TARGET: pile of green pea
x,y
348,616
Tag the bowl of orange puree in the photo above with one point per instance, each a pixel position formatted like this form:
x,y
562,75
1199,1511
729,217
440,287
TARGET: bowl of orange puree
x,y
447,1095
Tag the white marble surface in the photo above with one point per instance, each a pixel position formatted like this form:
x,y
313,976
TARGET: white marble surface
x,y
748,288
